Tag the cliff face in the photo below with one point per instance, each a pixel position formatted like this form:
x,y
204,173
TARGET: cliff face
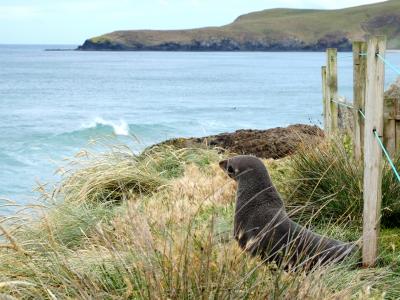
x,y
222,44
268,30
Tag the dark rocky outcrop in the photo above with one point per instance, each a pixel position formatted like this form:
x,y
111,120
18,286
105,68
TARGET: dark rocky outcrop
x,y
271,143
225,44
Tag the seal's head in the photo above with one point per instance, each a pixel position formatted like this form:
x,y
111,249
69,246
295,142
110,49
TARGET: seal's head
x,y
243,166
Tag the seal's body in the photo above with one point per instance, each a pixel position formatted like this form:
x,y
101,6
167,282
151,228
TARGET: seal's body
x,y
262,226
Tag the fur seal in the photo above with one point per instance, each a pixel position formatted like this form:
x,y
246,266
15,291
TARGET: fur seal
x,y
262,226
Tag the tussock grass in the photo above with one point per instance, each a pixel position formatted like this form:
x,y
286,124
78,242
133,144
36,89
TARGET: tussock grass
x,y
155,226
117,175
327,179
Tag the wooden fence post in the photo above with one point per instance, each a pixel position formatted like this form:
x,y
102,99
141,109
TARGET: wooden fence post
x,y
331,91
372,151
389,126
325,101
359,81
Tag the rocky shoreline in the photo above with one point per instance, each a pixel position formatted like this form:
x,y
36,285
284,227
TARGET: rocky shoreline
x,y
270,143
342,43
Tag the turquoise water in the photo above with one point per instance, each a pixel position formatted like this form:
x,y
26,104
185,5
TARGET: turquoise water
x,y
53,103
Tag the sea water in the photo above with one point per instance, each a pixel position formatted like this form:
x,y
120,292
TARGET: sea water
x,y
53,103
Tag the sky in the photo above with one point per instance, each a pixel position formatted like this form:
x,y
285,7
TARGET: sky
x,y
73,21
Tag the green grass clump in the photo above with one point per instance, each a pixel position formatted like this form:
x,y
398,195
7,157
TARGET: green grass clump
x,y
68,224
326,179
390,195
117,175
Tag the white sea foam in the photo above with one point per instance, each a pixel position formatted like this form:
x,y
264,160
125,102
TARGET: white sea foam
x,y
120,127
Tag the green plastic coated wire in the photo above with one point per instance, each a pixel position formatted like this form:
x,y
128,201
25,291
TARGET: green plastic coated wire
x,y
387,156
389,64
391,163
343,104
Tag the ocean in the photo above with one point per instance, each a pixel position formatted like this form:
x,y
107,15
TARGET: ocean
x,y
53,103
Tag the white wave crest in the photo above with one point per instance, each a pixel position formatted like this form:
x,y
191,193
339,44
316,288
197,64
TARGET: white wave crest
x,y
120,128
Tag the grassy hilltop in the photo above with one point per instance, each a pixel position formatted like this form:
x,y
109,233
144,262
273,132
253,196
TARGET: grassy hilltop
x,y
273,29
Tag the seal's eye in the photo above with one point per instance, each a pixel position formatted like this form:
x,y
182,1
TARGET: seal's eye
x,y
231,170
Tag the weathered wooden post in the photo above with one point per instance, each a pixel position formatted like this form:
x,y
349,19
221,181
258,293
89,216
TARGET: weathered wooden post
x,y
359,80
331,90
372,151
325,101
391,122
389,125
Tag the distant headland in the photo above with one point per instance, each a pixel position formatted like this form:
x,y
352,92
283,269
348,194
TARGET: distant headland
x,y
267,30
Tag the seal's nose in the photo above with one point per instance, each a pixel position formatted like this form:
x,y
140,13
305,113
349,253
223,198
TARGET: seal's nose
x,y
223,164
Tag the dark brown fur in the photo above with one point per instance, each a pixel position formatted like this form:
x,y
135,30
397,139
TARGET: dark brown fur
x,y
262,226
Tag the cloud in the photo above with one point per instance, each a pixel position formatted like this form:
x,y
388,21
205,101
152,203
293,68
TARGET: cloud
x,y
195,3
18,12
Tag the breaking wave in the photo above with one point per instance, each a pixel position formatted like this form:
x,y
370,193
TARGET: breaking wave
x,y
119,128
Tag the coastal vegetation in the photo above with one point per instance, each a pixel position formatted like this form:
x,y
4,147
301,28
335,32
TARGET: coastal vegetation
x,y
329,180
159,226
268,30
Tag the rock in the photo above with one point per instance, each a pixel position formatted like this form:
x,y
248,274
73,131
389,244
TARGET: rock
x,y
393,92
271,143
221,44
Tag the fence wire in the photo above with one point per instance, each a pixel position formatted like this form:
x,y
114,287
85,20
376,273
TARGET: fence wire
x,y
387,155
389,159
389,64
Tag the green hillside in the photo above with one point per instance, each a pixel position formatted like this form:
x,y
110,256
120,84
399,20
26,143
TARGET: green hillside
x,y
273,29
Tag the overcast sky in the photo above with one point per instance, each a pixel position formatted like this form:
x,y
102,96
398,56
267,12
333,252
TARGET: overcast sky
x,y
72,21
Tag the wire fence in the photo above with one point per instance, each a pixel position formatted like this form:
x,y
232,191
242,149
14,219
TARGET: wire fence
x,y
370,116
389,64
387,155
377,136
